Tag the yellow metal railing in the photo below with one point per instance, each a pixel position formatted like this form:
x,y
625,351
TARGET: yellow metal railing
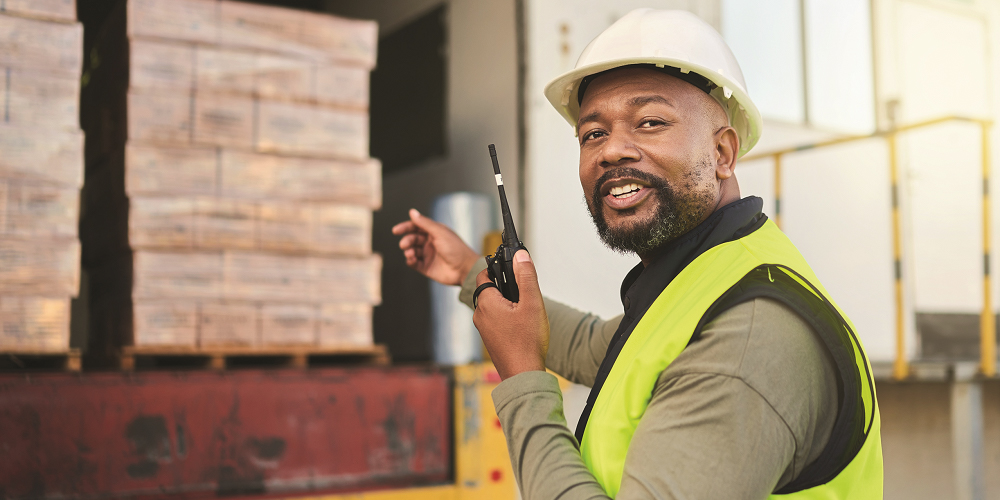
x,y
987,326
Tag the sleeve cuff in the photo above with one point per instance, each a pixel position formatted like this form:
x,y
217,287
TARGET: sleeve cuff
x,y
469,284
522,384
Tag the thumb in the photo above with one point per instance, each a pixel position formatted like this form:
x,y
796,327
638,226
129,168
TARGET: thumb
x,y
524,272
424,222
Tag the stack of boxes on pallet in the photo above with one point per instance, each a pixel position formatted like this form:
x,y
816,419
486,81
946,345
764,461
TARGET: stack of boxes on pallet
x,y
41,171
229,189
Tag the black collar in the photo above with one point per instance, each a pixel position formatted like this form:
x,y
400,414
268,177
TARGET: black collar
x,y
643,285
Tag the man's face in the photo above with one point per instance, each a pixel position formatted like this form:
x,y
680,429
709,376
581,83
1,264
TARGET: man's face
x,y
648,157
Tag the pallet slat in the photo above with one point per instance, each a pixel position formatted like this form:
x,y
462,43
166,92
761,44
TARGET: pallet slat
x,y
55,48
221,357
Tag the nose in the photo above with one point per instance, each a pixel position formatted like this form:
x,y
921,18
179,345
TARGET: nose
x,y
619,150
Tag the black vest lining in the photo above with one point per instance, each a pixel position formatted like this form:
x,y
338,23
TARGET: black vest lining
x,y
850,429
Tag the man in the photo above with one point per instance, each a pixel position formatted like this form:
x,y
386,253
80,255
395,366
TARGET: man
x,y
730,374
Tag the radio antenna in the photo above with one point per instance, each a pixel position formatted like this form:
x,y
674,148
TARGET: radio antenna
x,y
509,233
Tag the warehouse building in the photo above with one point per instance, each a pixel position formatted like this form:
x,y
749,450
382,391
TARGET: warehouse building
x,y
201,295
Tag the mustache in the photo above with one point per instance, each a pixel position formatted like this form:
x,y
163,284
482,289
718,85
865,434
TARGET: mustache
x,y
617,173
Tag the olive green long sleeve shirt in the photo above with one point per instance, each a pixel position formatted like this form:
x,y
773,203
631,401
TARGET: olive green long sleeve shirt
x,y
738,414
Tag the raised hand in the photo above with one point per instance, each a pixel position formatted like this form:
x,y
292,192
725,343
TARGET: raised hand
x,y
434,250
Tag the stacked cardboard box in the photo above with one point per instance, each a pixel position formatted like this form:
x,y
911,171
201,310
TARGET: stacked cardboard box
x,y
41,171
229,190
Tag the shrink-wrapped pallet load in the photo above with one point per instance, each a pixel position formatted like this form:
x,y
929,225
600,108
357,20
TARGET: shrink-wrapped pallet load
x,y
41,172
229,190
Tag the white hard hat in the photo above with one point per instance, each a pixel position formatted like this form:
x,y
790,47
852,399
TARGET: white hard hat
x,y
664,38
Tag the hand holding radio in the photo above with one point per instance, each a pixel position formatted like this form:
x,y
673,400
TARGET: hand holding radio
x,y
515,333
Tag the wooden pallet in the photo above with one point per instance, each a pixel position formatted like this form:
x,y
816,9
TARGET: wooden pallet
x,y
34,359
222,357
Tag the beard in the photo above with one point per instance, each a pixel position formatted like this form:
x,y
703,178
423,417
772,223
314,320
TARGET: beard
x,y
675,212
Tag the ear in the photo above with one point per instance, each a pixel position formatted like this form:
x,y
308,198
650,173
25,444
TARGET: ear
x,y
727,147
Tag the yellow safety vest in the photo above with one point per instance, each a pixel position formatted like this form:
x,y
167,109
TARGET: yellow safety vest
x,y
666,329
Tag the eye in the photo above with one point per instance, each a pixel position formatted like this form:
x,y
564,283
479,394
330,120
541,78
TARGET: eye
x,y
593,134
652,122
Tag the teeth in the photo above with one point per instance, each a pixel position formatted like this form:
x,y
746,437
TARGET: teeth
x,y
621,190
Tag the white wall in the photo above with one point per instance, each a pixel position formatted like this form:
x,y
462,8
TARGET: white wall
x,y
765,37
839,65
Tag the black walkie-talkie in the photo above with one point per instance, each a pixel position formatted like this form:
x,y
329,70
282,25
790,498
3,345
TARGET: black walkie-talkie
x,y
501,264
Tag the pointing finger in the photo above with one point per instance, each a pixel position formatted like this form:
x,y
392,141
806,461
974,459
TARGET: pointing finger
x,y
405,227
426,223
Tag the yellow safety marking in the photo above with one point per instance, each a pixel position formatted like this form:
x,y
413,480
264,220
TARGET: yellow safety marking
x,y
987,322
901,366
447,492
777,190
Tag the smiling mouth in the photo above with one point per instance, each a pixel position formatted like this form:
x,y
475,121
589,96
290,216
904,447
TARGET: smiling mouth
x,y
625,191
624,194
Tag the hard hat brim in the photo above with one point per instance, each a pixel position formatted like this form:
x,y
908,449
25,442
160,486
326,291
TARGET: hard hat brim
x,y
561,92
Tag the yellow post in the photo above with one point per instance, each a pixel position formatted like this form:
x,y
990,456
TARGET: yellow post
x,y
482,464
777,189
901,367
987,323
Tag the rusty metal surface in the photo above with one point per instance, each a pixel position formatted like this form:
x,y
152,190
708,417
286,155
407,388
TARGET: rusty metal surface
x,y
240,433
